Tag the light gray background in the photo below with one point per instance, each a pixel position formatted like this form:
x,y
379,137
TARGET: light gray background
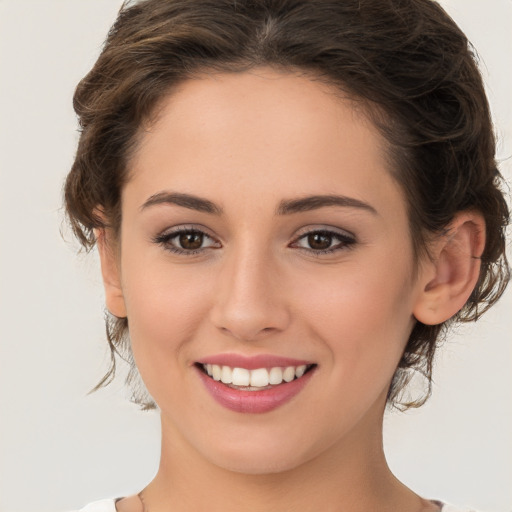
x,y
61,448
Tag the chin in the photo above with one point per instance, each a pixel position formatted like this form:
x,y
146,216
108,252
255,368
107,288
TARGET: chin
x,y
260,455
249,465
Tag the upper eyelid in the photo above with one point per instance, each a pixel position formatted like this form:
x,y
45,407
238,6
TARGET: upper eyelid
x,y
186,228
324,229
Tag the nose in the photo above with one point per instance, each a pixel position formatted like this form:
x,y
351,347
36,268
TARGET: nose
x,y
249,302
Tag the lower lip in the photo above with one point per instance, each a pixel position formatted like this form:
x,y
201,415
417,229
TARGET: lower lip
x,y
254,402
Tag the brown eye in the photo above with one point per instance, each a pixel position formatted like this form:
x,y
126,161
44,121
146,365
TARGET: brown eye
x,y
186,242
319,241
323,242
191,240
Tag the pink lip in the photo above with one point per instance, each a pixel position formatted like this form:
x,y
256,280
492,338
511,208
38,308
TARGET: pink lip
x,y
252,362
254,402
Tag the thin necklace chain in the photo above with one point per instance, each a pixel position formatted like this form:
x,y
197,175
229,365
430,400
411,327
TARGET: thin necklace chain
x,y
144,509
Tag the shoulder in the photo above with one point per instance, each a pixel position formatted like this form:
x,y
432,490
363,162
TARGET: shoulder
x,y
100,506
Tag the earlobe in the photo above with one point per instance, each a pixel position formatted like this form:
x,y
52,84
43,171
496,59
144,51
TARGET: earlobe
x,y
114,297
446,282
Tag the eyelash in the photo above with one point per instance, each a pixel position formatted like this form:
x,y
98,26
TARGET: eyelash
x,y
345,241
165,239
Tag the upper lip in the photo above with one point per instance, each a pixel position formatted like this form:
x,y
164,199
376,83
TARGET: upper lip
x,y
252,362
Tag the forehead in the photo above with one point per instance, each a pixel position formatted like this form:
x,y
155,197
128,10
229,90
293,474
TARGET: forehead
x,y
265,132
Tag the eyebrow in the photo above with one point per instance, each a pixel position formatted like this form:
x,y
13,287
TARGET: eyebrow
x,y
309,203
286,207
184,200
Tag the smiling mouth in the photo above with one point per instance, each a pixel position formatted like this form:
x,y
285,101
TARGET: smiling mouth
x,y
254,380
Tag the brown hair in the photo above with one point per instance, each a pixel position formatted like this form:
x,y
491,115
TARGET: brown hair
x,y
406,60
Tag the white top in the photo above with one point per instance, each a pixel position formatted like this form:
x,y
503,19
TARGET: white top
x,y
110,506
100,506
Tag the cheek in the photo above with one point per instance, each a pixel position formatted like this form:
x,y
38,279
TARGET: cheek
x,y
363,314
164,307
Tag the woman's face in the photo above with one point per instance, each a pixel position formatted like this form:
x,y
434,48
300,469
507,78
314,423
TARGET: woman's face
x,y
262,231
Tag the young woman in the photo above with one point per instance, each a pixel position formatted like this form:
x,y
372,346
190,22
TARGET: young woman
x,y
292,200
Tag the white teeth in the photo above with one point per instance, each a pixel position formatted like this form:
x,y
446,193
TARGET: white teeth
x,y
275,375
241,377
300,370
226,375
216,372
289,373
259,378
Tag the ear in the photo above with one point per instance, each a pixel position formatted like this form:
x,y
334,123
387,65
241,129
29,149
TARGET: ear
x,y
109,259
448,278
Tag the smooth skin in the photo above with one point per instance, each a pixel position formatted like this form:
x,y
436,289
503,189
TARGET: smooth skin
x,y
240,268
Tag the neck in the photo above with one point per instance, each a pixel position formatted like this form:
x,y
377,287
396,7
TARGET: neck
x,y
351,476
